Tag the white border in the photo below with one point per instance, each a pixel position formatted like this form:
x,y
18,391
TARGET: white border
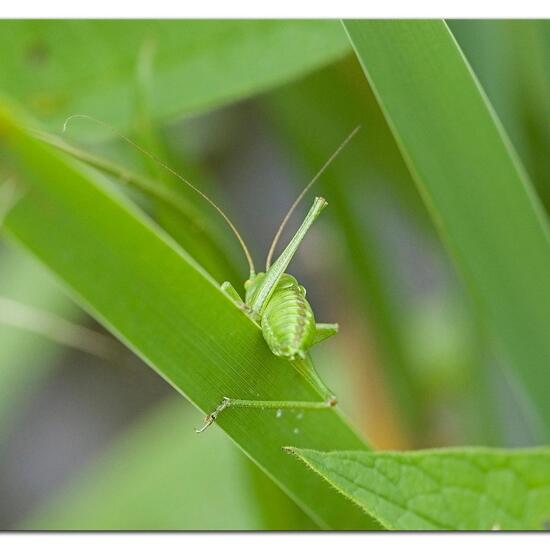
x,y
267,541
279,9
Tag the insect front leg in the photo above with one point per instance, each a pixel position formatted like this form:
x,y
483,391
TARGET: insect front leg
x,y
253,404
229,289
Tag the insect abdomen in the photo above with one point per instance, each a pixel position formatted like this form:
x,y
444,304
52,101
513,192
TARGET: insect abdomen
x,y
288,324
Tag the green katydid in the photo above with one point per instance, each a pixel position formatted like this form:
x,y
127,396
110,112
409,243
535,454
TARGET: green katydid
x,y
277,303
274,300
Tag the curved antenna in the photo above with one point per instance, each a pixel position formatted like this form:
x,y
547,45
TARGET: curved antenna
x,y
301,196
174,173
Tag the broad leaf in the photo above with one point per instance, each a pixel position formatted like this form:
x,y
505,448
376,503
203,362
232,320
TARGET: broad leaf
x,y
58,68
448,489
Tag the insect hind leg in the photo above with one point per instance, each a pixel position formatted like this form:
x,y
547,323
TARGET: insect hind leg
x,y
324,331
256,404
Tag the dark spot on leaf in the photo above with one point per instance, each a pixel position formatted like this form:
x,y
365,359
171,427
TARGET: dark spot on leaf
x,y
37,54
546,525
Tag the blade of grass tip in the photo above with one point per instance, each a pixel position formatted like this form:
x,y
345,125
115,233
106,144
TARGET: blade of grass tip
x,y
476,189
158,301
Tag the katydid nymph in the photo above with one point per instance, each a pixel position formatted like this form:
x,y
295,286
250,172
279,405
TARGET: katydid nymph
x,y
277,303
273,299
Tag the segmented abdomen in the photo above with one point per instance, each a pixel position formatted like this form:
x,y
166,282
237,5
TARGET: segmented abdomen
x,y
288,323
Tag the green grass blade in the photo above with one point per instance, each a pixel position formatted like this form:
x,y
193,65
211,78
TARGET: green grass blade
x,y
447,489
478,194
510,59
530,41
150,294
88,66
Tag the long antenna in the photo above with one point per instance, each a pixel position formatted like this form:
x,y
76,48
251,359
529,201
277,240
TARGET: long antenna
x,y
174,173
301,196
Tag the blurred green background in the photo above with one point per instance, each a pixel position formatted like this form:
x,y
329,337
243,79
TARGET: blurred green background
x,y
248,111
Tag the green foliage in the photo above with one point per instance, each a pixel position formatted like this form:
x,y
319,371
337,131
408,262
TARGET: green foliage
x,y
64,67
443,489
478,194
134,280
144,255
